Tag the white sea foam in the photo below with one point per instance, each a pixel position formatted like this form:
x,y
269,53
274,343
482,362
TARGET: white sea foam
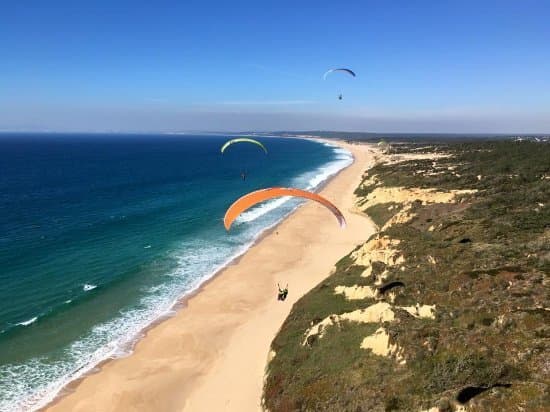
x,y
34,387
28,322
307,181
36,383
343,159
262,209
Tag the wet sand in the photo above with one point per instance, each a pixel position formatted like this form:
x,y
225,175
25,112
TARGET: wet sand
x,y
212,354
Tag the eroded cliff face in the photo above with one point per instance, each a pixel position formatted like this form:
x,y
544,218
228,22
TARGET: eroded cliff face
x,y
447,307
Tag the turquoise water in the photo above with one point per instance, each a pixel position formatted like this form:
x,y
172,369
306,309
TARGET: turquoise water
x,y
100,235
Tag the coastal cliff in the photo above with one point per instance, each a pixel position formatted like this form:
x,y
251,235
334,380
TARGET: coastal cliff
x,y
446,307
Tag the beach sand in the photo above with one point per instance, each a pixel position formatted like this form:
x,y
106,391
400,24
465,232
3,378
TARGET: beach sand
x,y
211,355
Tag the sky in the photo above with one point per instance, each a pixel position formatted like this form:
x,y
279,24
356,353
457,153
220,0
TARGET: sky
x,y
164,66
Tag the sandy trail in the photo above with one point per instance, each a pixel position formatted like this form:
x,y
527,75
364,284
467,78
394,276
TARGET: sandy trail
x,y
212,354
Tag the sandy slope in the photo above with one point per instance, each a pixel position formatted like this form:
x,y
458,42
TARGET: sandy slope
x,y
211,355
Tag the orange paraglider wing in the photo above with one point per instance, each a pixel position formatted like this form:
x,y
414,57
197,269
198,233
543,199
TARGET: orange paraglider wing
x,y
258,196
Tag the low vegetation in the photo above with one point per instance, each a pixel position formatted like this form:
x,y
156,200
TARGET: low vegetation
x,y
482,261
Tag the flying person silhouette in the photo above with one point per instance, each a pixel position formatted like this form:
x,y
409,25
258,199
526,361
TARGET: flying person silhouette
x,y
282,292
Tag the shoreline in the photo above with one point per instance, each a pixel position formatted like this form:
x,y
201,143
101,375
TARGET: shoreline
x,y
181,303
76,394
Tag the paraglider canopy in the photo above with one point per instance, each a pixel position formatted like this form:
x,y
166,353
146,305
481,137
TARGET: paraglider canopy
x,y
348,71
242,140
258,196
384,146
343,70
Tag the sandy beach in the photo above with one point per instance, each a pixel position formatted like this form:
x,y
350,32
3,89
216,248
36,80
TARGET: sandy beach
x,y
212,354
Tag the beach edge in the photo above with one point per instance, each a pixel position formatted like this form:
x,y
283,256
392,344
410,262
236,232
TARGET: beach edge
x,y
73,389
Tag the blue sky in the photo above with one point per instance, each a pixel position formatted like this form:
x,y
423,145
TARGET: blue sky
x,y
433,66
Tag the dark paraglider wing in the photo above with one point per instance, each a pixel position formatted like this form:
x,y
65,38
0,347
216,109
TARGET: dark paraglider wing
x,y
349,71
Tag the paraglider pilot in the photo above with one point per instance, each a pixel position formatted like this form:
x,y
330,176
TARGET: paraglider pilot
x,y
282,292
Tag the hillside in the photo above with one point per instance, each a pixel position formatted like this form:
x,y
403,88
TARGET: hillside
x,y
447,306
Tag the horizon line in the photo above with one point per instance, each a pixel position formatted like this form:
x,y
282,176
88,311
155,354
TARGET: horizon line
x,y
182,132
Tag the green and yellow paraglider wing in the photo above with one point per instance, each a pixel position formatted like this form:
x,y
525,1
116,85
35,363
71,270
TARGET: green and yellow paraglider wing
x,y
242,140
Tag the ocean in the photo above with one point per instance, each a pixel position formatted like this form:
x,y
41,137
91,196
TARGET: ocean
x,y
101,235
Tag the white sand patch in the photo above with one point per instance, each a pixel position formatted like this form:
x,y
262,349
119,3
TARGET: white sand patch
x,y
403,216
377,313
319,328
379,249
455,406
372,180
435,173
356,292
379,344
415,156
270,357
420,311
406,196
381,278
367,272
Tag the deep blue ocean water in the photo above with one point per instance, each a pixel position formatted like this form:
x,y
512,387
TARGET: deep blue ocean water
x,y
101,234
